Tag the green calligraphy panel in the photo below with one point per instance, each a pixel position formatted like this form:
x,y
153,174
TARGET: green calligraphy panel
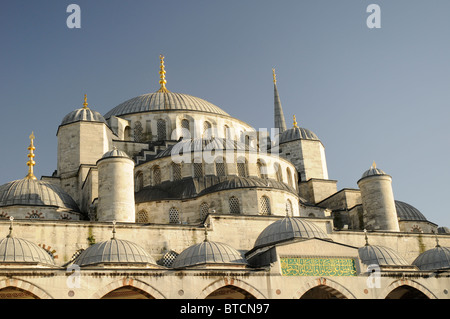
x,y
317,266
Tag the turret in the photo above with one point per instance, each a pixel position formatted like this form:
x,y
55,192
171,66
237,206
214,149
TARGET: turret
x,y
116,187
378,200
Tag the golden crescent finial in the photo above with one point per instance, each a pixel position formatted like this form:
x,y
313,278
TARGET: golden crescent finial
x,y
162,76
31,161
274,76
374,165
295,122
85,104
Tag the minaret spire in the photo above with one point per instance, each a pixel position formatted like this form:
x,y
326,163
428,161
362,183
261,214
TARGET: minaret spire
x,y
162,76
31,162
280,122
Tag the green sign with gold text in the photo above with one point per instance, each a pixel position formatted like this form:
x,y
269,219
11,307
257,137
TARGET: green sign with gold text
x,y
317,266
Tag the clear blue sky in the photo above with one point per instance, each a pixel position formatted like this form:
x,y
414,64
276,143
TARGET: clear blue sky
x,y
369,94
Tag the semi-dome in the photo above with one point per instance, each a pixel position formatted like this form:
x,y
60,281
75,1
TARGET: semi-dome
x,y
19,250
407,212
31,192
114,251
289,228
297,133
164,101
380,255
209,252
434,259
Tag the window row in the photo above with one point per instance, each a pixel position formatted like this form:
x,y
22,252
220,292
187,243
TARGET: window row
x,y
174,216
221,169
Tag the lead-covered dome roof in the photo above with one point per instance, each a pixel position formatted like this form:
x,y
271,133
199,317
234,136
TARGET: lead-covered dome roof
x,y
19,250
83,114
114,251
434,259
406,211
164,101
289,228
209,252
380,255
297,133
29,192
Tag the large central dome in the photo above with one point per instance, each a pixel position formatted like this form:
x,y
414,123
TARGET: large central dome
x,y
160,101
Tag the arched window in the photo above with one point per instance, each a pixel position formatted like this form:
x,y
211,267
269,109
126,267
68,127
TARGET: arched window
x,y
261,169
234,205
139,181
242,168
204,210
289,211
138,132
185,130
161,129
198,170
278,172
169,258
289,176
220,166
174,216
142,217
127,134
156,175
265,205
226,132
207,131
176,171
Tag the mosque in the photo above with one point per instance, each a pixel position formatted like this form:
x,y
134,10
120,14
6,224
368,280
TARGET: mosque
x,y
167,196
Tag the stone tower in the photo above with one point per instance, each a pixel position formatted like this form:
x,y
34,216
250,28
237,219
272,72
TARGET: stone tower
x,y
116,188
83,138
378,200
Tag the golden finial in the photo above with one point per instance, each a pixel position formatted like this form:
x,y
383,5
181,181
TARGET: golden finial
x,y
295,122
162,76
31,162
114,230
85,104
274,76
374,165
206,232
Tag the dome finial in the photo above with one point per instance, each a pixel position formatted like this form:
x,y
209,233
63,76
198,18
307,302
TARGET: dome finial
x,y
374,165
206,232
365,237
10,226
295,122
437,239
114,230
85,104
162,76
274,76
31,162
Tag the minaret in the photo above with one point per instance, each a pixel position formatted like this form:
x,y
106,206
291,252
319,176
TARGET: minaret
x,y
280,122
31,161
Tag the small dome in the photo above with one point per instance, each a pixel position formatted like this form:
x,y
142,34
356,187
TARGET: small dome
x,y
18,250
208,252
114,251
29,192
289,228
433,259
373,170
408,212
164,101
297,133
115,153
83,114
380,255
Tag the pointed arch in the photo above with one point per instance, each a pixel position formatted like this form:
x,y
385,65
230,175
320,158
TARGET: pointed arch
x,y
216,285
406,283
25,286
135,283
339,290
